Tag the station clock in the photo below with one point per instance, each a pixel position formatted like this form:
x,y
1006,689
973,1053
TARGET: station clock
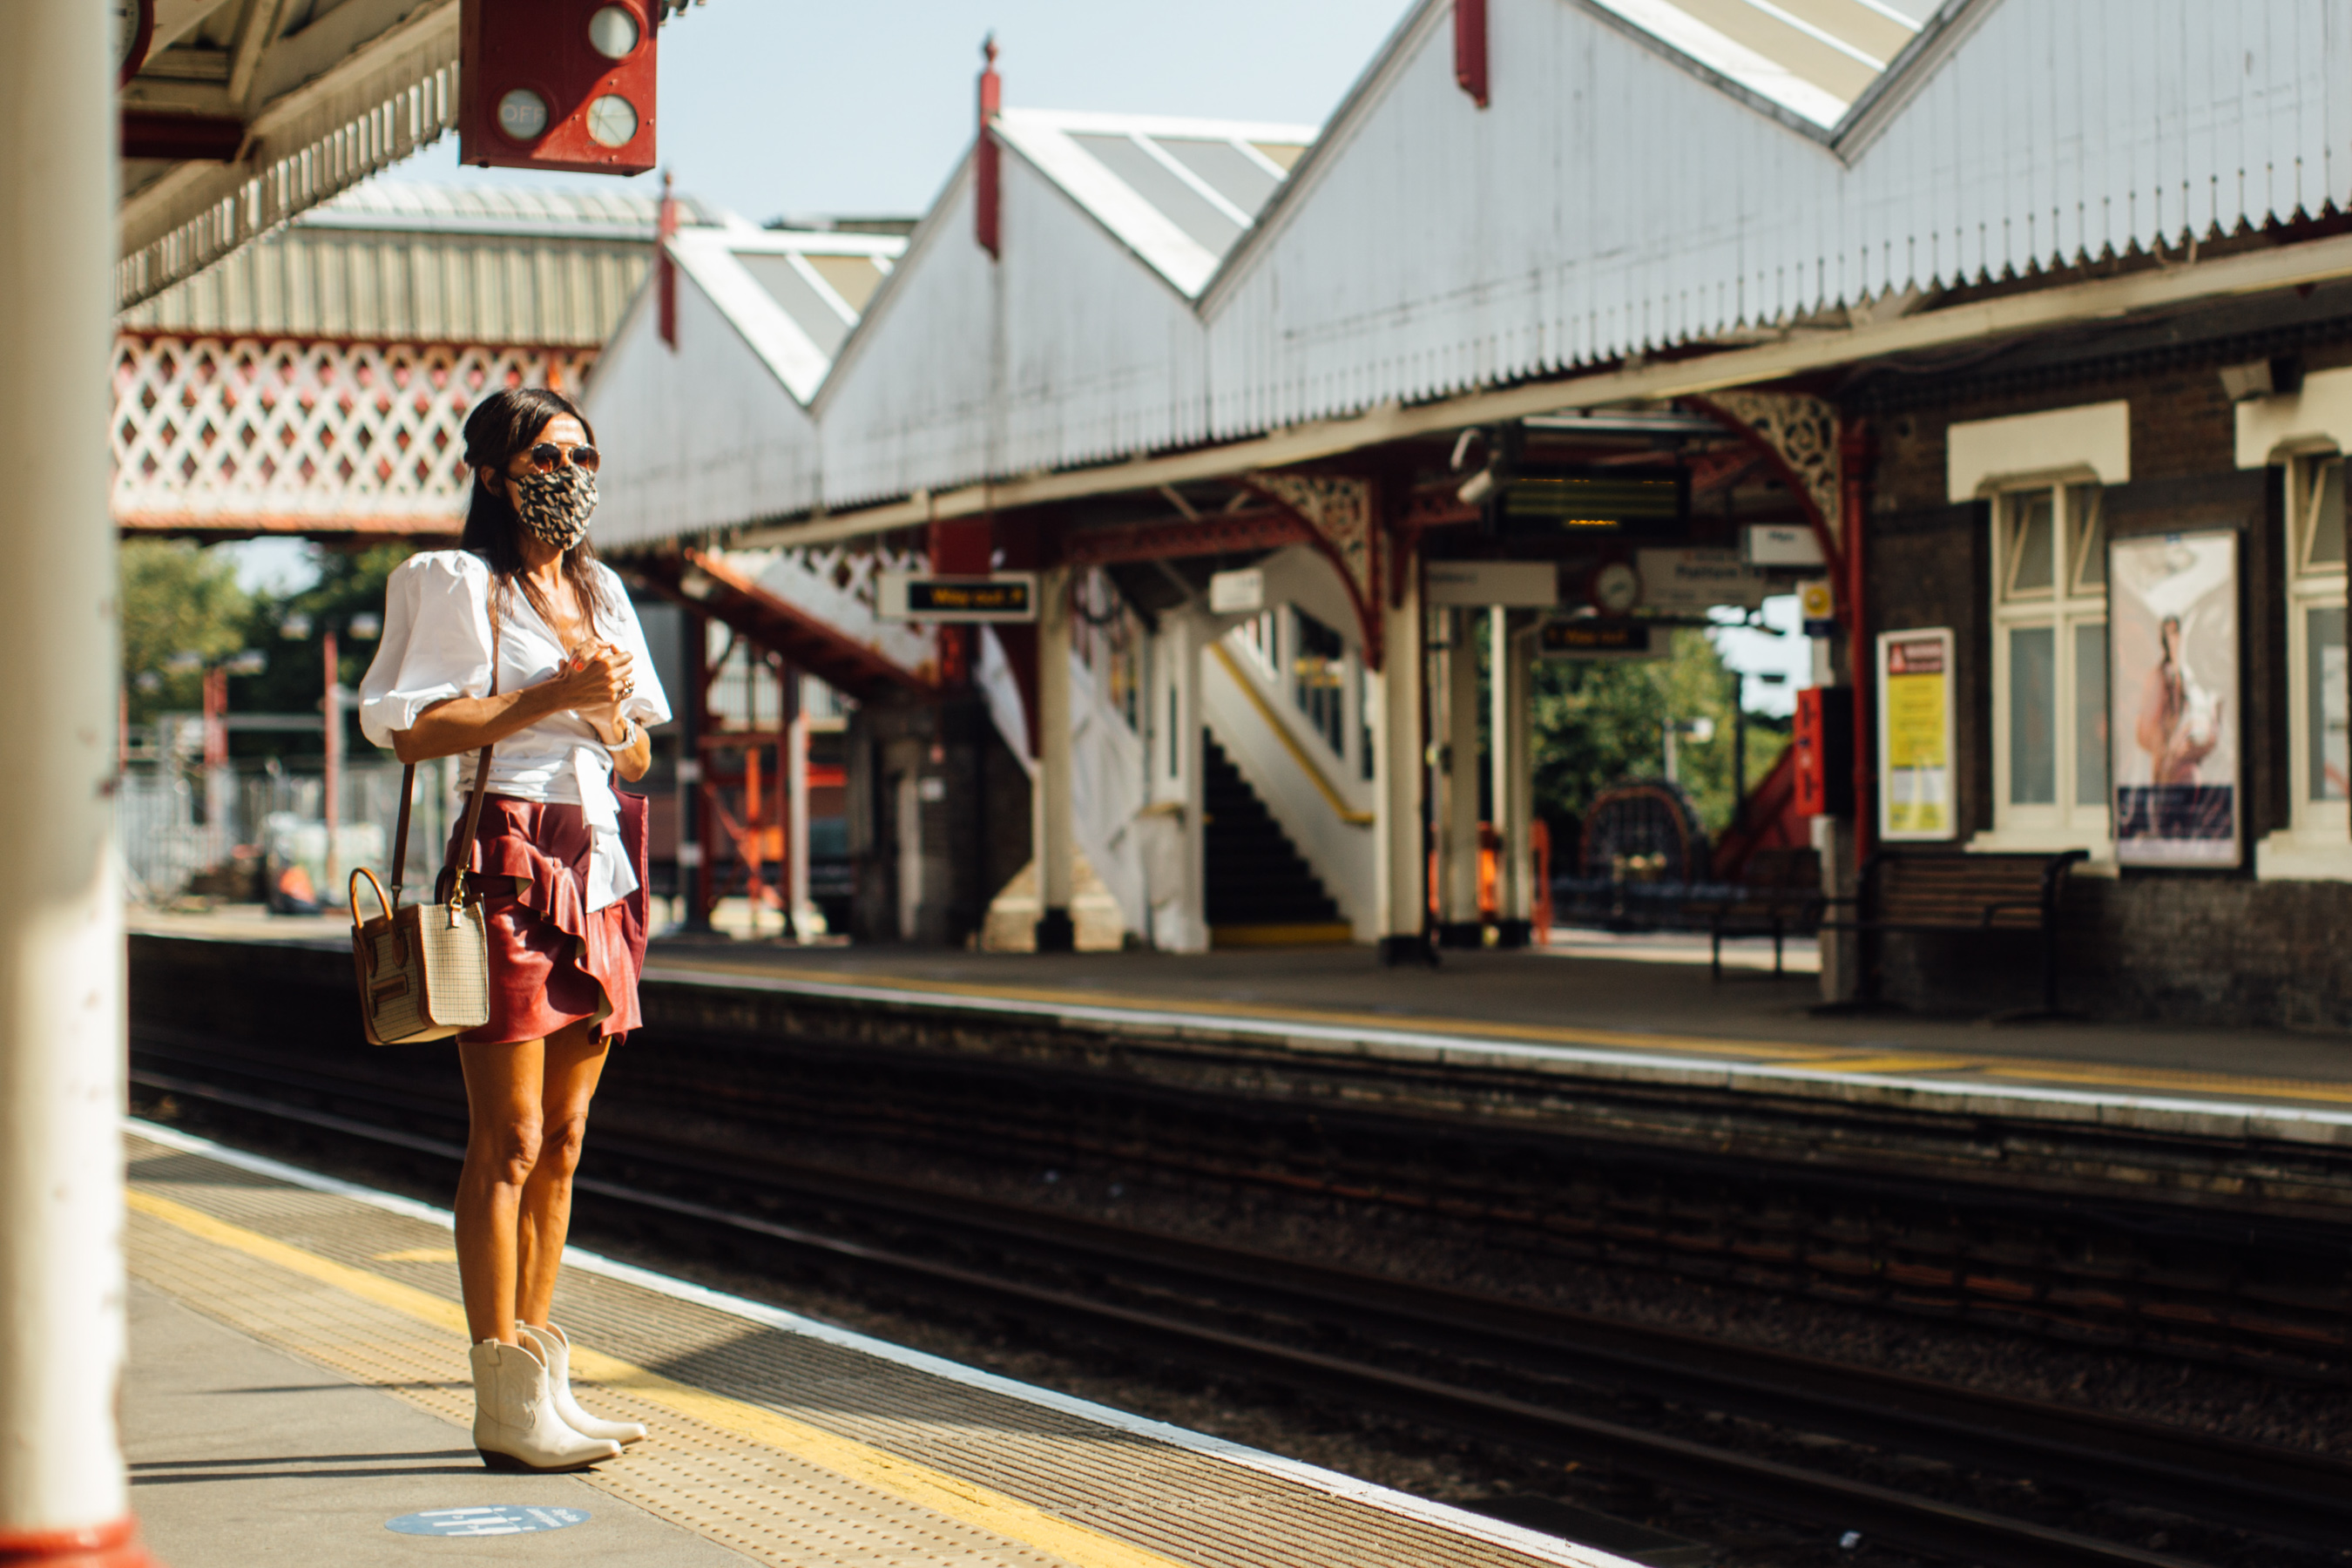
x,y
558,84
1616,588
134,34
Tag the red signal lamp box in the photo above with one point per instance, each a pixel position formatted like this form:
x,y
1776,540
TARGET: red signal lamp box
x,y
558,84
1823,741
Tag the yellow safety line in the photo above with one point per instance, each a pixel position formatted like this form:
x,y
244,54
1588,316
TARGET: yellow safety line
x,y
1474,1030
1858,1058
906,1480
1306,764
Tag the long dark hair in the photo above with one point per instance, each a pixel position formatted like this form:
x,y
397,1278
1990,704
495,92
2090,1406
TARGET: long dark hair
x,y
503,423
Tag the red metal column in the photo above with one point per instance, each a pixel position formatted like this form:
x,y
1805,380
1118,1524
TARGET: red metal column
x,y
1853,492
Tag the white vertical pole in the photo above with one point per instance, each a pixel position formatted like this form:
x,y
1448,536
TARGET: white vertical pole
x,y
331,707
800,912
1458,826
62,1494
1054,848
1400,854
1189,638
1513,726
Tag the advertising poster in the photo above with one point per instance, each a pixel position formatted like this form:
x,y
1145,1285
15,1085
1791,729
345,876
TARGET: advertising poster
x,y
2172,642
1914,734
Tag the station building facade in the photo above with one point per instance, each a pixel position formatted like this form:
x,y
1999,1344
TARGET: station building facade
x,y
2006,497
1984,359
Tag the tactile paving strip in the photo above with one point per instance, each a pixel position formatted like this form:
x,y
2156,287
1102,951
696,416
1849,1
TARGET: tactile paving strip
x,y
771,1507
1179,1505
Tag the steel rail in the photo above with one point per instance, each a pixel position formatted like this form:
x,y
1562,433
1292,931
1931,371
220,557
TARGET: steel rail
x,y
2211,1479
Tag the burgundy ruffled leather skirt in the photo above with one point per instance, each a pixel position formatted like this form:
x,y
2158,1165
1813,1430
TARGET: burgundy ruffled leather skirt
x,y
552,963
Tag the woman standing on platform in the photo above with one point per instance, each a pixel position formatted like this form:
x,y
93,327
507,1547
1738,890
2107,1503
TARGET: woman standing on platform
x,y
521,642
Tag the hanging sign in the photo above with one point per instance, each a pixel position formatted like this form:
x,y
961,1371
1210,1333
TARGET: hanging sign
x,y
1783,545
1241,592
919,596
1915,736
1698,580
2173,701
1817,603
1514,584
1592,637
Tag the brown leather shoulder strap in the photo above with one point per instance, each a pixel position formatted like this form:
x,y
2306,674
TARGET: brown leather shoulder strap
x,y
461,848
400,838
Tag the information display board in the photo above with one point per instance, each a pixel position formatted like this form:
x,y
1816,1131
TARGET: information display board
x,y
2173,703
999,596
1551,500
1915,736
1592,637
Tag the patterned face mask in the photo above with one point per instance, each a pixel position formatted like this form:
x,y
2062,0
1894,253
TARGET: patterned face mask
x,y
555,507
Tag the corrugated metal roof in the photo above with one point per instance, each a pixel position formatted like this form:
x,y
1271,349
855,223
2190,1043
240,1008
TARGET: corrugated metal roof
x,y
411,263
1616,197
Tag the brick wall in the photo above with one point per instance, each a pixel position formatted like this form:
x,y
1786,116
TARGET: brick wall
x,y
2164,947
2194,947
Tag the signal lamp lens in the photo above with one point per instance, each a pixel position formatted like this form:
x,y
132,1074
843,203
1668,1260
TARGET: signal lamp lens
x,y
523,115
613,33
611,120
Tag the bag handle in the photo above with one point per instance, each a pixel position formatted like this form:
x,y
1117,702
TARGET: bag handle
x,y
383,903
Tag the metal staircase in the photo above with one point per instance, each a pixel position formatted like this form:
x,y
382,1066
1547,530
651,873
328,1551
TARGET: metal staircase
x,y
1260,891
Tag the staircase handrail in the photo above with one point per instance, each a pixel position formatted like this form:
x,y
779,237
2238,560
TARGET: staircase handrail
x,y
1299,754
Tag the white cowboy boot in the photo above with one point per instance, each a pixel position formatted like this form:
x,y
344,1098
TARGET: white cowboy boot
x,y
555,1350
515,1424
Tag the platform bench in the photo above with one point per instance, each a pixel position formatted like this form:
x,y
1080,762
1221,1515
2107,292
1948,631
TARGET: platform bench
x,y
1779,891
1919,894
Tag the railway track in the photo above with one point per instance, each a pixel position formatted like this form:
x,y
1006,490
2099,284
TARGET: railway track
x,y
1503,1373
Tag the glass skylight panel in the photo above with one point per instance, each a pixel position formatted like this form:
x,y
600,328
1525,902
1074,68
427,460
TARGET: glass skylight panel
x,y
1813,58
1164,188
811,311
854,277
1237,176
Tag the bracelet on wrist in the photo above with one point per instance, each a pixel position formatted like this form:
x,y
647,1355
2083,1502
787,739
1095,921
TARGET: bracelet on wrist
x,y
628,737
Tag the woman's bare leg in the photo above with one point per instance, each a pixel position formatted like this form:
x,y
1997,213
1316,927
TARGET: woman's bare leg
x,y
575,1062
503,1098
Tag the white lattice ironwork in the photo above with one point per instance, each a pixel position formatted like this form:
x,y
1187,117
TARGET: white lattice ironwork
x,y
249,435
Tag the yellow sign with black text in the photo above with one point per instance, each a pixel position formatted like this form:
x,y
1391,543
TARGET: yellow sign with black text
x,y
1915,736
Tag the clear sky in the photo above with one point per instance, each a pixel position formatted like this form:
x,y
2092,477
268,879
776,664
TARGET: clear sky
x,y
811,107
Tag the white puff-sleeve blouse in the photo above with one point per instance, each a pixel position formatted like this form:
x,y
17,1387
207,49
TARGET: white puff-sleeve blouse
x,y
436,646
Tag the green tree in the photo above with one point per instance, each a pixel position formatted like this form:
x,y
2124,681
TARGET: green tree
x,y
291,631
1598,722
181,610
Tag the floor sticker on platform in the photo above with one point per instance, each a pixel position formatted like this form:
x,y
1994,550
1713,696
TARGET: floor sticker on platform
x,y
504,1520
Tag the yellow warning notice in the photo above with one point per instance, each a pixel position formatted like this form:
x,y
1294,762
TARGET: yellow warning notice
x,y
1915,734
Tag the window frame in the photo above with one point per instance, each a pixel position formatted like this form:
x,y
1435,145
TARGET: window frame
x,y
2076,599
2316,842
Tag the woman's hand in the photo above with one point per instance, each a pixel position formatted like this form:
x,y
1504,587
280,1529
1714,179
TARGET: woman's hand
x,y
593,681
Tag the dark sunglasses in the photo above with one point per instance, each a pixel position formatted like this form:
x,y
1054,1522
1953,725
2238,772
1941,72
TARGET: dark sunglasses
x,y
547,454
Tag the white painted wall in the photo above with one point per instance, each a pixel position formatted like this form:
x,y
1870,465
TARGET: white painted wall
x,y
700,437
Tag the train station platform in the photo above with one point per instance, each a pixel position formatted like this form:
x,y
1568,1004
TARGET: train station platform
x,y
299,1394
1592,1004
1631,1050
